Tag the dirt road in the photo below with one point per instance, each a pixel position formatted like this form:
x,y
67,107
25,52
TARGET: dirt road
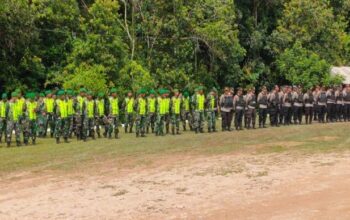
x,y
268,186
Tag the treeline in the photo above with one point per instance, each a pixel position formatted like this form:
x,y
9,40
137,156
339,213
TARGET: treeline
x,y
130,44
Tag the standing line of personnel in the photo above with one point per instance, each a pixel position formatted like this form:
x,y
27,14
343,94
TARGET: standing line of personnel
x,y
85,115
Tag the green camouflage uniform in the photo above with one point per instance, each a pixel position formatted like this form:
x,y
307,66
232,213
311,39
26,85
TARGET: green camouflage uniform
x,y
50,118
89,119
79,116
151,113
198,106
3,108
61,122
161,110
141,117
113,117
167,117
175,114
186,113
129,113
41,117
30,127
12,122
211,108
101,117
70,115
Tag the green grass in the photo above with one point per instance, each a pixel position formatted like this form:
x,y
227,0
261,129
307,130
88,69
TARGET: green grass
x,y
129,151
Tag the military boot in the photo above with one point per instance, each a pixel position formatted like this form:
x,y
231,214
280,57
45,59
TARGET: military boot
x,y
18,143
66,140
57,140
173,130
130,130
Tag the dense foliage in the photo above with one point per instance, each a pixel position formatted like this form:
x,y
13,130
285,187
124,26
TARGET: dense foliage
x,y
179,43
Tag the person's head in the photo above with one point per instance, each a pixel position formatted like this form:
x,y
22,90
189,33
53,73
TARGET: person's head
x,y
82,92
214,91
226,90
176,93
200,90
130,94
61,94
113,92
277,88
239,91
152,93
264,90
89,95
48,94
4,97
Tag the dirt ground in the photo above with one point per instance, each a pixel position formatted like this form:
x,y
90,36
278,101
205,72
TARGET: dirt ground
x,y
238,186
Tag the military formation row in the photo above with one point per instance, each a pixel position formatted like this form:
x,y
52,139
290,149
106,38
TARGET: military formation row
x,y
64,114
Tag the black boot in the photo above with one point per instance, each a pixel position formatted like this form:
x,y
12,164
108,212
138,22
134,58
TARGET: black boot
x,y
18,143
8,143
126,129
173,130
57,140
33,142
130,130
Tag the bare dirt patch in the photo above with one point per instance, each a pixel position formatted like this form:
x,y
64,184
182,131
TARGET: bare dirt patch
x,y
324,138
280,186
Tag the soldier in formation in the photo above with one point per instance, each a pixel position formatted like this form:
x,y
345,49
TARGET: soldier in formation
x,y
64,114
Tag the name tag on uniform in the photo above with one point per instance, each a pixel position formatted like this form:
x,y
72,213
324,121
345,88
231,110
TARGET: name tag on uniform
x,y
309,105
262,106
239,107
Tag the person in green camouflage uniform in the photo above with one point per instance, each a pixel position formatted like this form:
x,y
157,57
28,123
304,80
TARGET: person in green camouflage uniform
x,y
41,115
151,111
21,101
211,108
113,114
12,120
89,117
79,113
71,103
186,111
198,101
167,116
128,107
49,103
3,108
141,113
161,110
176,102
61,117
100,115
30,124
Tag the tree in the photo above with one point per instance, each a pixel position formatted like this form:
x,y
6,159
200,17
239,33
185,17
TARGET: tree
x,y
20,64
303,67
313,24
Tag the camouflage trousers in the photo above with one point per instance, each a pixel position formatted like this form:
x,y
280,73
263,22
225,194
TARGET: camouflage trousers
x,y
62,127
10,127
129,121
160,124
175,122
30,128
211,119
88,127
151,121
186,116
141,122
101,121
198,120
41,122
70,121
78,126
2,127
167,120
50,122
113,125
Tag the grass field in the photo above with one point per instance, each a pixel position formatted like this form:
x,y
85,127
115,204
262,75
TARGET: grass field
x,y
129,151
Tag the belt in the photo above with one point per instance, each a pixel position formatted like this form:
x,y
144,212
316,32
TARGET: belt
x,y
347,102
262,106
239,108
331,102
287,105
340,102
251,107
298,104
309,105
322,103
